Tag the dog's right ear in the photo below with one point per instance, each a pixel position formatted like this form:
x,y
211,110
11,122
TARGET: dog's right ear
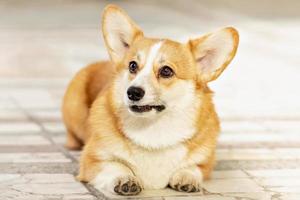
x,y
119,32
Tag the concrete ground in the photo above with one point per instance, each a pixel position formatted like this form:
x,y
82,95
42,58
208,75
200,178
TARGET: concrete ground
x,y
43,43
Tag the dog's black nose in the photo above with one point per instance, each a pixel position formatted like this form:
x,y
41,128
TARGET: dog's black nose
x,y
135,93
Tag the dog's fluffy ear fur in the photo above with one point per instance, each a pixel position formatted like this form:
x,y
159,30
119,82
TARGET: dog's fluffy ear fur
x,y
213,52
119,31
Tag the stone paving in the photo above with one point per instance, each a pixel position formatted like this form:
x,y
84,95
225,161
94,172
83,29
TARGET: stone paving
x,y
43,43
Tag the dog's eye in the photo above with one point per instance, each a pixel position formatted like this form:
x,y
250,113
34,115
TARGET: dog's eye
x,y
166,72
133,67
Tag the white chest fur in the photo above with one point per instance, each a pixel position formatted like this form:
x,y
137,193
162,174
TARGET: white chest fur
x,y
168,130
154,168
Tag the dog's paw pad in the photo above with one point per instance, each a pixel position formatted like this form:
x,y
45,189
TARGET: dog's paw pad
x,y
187,188
185,182
127,186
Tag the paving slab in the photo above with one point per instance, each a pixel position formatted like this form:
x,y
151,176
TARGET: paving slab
x,y
287,196
20,140
44,43
54,127
41,186
46,115
11,115
232,185
257,164
274,173
19,128
208,197
33,158
50,168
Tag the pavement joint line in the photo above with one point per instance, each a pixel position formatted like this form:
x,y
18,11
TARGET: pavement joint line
x,y
276,196
259,119
44,131
3,121
27,149
96,193
25,133
38,168
223,119
257,164
26,120
91,189
269,145
265,189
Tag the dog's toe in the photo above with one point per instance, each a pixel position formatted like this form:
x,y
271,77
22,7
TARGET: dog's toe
x,y
127,186
185,182
187,188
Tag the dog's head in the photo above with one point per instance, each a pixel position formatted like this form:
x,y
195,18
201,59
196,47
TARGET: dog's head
x,y
157,75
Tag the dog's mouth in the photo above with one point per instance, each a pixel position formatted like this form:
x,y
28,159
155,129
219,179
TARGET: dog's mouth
x,y
146,108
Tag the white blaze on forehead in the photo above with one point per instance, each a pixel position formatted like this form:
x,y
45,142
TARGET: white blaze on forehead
x,y
151,56
146,71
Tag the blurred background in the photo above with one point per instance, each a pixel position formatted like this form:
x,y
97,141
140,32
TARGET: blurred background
x,y
43,43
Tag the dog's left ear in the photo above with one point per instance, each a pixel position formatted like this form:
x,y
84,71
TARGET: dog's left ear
x,y
119,32
213,52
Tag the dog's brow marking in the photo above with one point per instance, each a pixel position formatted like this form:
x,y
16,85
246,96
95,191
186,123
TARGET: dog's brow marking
x,y
149,64
151,56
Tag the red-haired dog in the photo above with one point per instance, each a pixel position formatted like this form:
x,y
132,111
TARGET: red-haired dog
x,y
146,117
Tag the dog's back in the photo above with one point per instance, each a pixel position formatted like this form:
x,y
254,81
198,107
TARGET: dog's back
x,y
81,92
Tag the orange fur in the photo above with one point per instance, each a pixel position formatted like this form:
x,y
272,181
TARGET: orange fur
x,y
81,93
93,116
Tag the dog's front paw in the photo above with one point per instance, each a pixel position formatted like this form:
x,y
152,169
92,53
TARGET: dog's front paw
x,y
186,181
127,186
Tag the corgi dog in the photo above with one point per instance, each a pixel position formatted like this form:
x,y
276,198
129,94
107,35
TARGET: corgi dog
x,y
146,118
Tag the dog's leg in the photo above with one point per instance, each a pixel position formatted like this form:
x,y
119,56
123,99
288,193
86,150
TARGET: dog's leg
x,y
187,179
72,142
208,167
116,177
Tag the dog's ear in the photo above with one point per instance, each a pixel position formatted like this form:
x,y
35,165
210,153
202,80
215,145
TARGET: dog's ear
x,y
119,31
213,52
